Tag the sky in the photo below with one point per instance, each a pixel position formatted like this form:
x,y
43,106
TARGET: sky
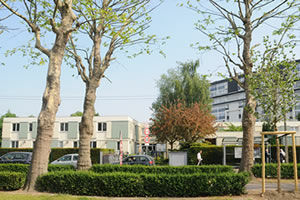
x,y
132,89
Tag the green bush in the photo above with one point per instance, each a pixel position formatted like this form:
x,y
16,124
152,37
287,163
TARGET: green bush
x,y
11,180
287,170
23,168
120,184
59,152
161,169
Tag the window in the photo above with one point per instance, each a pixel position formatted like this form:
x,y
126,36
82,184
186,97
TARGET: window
x,y
227,117
14,144
75,144
240,116
30,126
102,126
93,144
118,145
61,144
64,126
16,127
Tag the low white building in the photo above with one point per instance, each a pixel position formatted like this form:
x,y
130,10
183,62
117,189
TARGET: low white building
x,y
21,132
235,137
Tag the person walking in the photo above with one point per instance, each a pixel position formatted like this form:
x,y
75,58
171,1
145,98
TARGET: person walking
x,y
268,156
199,157
282,156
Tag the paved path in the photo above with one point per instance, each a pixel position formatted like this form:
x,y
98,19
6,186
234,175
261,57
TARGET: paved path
x,y
257,185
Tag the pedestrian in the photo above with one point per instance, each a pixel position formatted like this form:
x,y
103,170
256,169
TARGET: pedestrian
x,y
268,156
199,157
282,156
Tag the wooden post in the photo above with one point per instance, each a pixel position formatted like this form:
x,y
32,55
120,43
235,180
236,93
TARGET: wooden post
x,y
278,164
263,170
295,163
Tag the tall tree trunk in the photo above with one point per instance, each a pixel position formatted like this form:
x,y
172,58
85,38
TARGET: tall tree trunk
x,y
46,119
248,134
86,126
51,96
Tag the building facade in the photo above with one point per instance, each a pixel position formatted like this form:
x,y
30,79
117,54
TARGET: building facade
x,y
229,100
21,133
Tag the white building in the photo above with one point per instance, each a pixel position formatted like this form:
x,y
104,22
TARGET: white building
x,y
236,137
21,133
229,99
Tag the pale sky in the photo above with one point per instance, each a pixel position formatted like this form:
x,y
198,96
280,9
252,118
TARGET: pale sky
x,y
133,88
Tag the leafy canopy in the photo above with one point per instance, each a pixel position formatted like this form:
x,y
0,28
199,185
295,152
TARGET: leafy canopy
x,y
183,84
181,122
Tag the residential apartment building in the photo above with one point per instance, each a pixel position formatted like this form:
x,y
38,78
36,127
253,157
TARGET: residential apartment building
x,y
21,133
229,100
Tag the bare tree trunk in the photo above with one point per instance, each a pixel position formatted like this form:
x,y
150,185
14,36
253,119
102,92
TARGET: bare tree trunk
x,y
86,126
248,134
51,97
46,119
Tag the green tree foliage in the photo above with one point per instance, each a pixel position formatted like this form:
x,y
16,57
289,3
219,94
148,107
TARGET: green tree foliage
x,y
273,84
6,115
231,26
110,27
180,122
76,114
79,114
183,84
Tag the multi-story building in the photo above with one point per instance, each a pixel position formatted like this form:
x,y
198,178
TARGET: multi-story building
x,y
229,99
21,133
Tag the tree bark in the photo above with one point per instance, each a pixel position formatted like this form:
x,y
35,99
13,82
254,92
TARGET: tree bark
x,y
86,126
248,134
51,99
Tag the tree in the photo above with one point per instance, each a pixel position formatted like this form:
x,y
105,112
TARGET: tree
x,y
273,88
6,115
41,17
230,27
110,26
79,114
76,114
182,84
181,122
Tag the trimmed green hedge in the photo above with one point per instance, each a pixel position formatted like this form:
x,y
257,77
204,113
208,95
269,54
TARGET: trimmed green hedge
x,y
11,180
120,184
23,168
161,169
287,170
59,152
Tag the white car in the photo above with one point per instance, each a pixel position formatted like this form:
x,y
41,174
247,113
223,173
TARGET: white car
x,y
68,159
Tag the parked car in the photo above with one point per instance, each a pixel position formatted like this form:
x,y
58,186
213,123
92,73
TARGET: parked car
x,y
16,157
137,160
68,159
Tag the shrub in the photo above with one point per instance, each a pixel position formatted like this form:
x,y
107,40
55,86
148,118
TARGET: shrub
x,y
90,183
152,185
161,169
287,170
23,168
155,185
11,180
59,152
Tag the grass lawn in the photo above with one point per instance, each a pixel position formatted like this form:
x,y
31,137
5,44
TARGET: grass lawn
x,y
17,196
20,195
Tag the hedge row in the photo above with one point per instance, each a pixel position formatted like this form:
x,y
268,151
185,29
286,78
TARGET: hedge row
x,y
120,184
11,180
287,170
59,152
23,168
213,154
162,169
